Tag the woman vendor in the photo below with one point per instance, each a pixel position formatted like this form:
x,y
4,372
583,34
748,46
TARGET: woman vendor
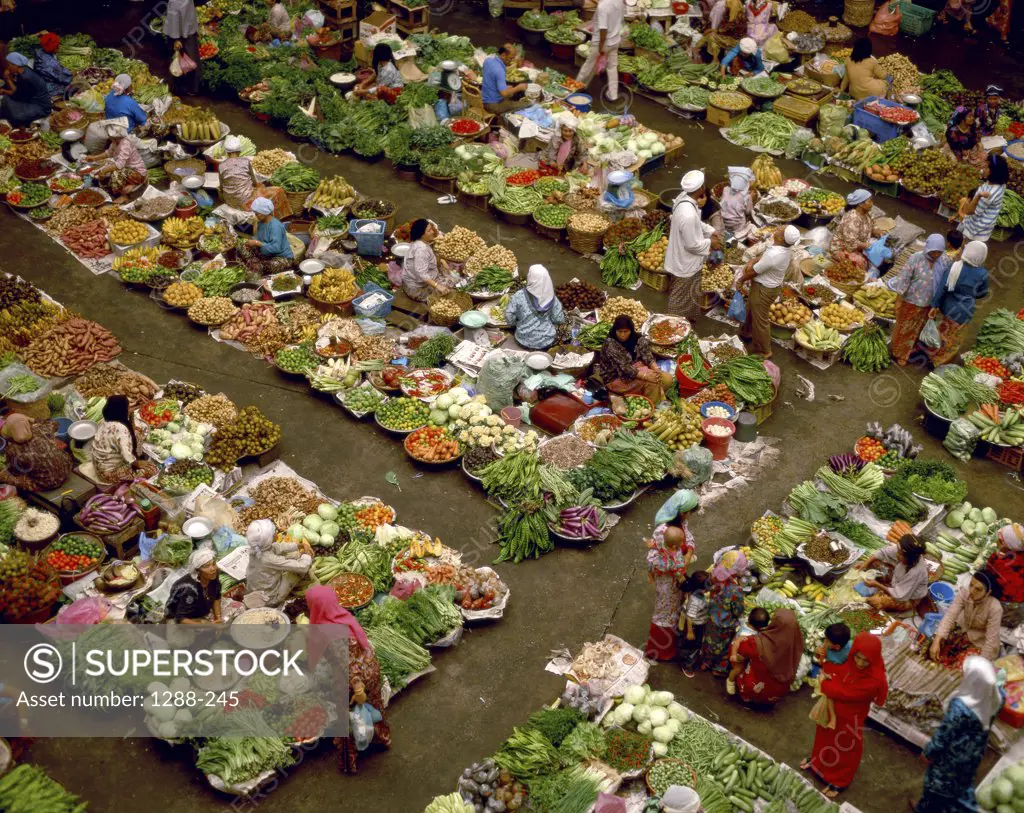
x,y
987,112
736,206
909,581
743,59
725,609
195,597
420,274
56,76
280,21
564,150
760,27
123,169
971,624
275,568
626,364
669,552
239,186
963,140
534,311
853,235
958,745
850,690
386,81
269,252
863,76
36,460
29,99
1006,566
770,660
118,104
358,671
115,449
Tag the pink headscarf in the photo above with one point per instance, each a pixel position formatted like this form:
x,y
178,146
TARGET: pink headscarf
x,y
1012,536
325,609
731,564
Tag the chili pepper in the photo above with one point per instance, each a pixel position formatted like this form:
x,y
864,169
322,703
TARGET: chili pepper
x,y
1011,392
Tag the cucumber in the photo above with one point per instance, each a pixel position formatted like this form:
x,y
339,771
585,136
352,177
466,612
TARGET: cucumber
x,y
719,759
742,804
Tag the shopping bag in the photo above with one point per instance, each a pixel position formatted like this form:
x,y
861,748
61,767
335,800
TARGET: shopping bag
x,y
185,63
175,68
737,308
886,22
824,712
929,335
602,63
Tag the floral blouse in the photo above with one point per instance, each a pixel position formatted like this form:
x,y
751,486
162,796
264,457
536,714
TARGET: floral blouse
x,y
725,605
661,560
960,141
955,751
853,231
916,280
614,362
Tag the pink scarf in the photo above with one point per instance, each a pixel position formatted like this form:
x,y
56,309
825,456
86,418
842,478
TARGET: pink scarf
x,y
563,152
325,609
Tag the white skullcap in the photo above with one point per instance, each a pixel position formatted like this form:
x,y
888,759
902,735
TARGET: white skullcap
x,y
232,144
568,120
692,181
748,45
263,206
123,81
791,235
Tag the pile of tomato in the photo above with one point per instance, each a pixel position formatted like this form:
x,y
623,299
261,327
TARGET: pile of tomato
x,y
308,724
74,553
869,449
432,444
523,178
373,515
159,413
1011,392
990,365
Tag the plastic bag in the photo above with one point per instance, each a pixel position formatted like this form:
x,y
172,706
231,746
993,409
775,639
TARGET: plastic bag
x,y
877,253
886,22
498,377
89,610
929,336
606,803
737,308
798,141
185,63
832,119
422,117
819,237
824,712
217,510
961,439
692,466
775,50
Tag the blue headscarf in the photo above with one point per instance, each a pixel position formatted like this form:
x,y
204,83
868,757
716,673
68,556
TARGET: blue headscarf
x,y
14,58
838,656
682,501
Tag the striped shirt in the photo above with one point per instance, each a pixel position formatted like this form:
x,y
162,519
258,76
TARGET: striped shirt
x,y
979,225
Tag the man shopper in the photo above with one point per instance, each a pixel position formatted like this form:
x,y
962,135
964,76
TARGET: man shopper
x,y
690,241
765,275
498,95
604,46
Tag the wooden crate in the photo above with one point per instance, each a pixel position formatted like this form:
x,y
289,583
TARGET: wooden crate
x,y
558,5
724,118
410,20
338,11
1010,456
123,544
446,186
657,280
797,109
349,31
514,8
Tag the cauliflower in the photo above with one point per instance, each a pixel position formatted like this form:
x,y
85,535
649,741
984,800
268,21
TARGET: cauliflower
x,y
476,420
493,420
485,441
508,429
463,436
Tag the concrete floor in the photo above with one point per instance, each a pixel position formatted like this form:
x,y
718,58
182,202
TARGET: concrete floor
x,y
495,677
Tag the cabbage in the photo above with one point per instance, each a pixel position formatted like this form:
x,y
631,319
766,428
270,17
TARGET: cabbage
x,y
313,522
989,515
641,712
954,519
674,724
658,716
444,400
454,411
1002,791
330,528
968,527
173,427
624,713
165,713
297,532
183,716
326,540
975,515
661,698
312,537
327,511
167,729
662,734
156,687
179,684
984,797
677,711
980,529
645,728
180,451
660,749
966,507
460,395
634,695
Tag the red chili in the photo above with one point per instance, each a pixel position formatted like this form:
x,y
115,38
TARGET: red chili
x,y
1011,392
465,127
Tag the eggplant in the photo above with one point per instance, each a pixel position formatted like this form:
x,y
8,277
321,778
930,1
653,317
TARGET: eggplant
x,y
480,777
468,773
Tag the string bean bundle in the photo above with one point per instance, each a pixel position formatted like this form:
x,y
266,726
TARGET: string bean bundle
x,y
747,378
767,130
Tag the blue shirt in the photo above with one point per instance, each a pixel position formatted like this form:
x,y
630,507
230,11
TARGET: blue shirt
x,y
494,80
535,329
752,63
958,304
274,238
118,106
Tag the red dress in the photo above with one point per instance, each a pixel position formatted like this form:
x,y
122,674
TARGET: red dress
x,y
1008,568
756,684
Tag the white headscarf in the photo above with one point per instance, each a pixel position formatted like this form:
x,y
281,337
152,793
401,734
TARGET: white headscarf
x,y
748,45
979,690
692,181
232,144
262,206
738,183
117,128
791,235
568,120
200,557
975,253
260,535
121,83
1012,536
538,283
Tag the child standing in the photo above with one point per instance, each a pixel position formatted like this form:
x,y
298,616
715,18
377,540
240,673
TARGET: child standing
x,y
757,620
693,619
666,568
836,649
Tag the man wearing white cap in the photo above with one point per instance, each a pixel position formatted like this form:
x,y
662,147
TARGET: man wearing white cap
x,y
118,104
562,150
239,186
604,46
765,275
743,59
269,252
690,241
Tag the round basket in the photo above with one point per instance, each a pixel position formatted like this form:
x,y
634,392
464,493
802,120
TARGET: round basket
x,y
813,352
794,214
515,218
205,142
868,316
575,372
389,219
548,231
858,13
463,300
846,288
297,201
666,761
435,463
586,242
69,576
344,308
184,167
352,580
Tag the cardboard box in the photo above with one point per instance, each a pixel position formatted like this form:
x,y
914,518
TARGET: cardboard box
x,y
830,79
380,22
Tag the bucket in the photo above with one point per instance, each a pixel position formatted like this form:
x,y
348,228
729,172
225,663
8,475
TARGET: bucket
x,y
512,416
717,445
746,427
687,386
942,593
580,101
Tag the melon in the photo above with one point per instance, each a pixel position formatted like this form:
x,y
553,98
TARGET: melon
x,y
1004,809
1002,792
984,797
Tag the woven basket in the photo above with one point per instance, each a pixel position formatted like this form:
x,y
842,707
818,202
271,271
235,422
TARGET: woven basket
x,y
463,300
197,167
796,109
655,279
858,13
297,201
586,242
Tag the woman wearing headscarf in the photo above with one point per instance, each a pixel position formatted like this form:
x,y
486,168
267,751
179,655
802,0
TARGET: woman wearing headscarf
x,y
852,236
736,206
725,609
114,449
269,251
971,624
852,688
1006,566
982,210
36,460
275,568
626,364
563,151
182,25
760,27
534,311
962,286
743,59
123,169
915,286
46,64
956,748
118,104
988,110
239,186
360,667
669,552
195,597
770,659
908,583
29,98
963,141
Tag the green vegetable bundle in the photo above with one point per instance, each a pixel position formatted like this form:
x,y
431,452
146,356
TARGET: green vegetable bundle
x,y
584,742
523,533
1001,334
295,177
690,97
573,790
29,789
818,507
1011,216
493,278
556,724
949,392
399,657
301,125
527,754
643,36
747,378
441,163
858,533
430,138
370,560
628,461
934,480
513,478
661,78
433,351
426,616
417,94
895,500
766,130
763,86
236,759
867,349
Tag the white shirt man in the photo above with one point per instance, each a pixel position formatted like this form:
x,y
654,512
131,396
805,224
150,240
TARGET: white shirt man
x,y
689,244
605,42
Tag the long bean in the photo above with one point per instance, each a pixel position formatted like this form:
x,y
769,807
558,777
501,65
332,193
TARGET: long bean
x,y
767,130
